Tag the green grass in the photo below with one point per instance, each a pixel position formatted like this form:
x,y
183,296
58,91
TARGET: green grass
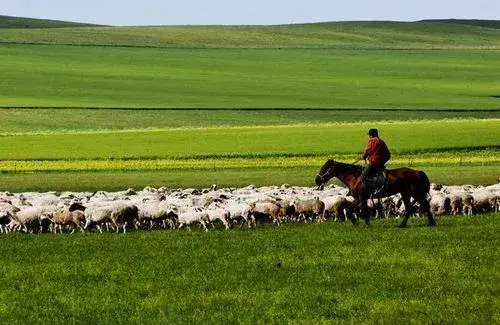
x,y
471,22
453,151
117,180
438,158
355,34
58,120
22,22
324,139
65,76
330,273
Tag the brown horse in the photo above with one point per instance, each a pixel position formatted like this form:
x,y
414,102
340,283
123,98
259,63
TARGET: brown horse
x,y
409,182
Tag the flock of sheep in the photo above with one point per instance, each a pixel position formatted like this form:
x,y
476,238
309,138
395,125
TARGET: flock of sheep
x,y
165,208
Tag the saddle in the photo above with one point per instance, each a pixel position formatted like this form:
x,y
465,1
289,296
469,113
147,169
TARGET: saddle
x,y
376,184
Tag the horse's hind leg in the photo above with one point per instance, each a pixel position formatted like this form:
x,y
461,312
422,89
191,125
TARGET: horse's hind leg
x,y
425,208
350,214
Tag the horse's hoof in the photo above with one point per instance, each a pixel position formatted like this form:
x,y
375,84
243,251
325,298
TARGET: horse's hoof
x,y
402,226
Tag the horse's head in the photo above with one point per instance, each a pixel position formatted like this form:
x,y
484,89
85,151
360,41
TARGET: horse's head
x,y
325,173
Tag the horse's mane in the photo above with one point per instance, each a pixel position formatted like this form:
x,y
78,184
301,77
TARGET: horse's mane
x,y
350,168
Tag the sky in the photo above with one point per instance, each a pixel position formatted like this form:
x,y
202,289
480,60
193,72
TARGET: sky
x,y
246,12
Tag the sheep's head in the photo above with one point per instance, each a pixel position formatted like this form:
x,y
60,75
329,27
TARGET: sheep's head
x,y
46,215
172,215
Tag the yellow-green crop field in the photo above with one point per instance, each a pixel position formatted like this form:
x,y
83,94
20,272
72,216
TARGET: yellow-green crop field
x,y
475,158
453,151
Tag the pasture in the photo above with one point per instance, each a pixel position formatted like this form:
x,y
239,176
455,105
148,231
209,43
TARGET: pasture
x,y
48,120
445,34
231,155
112,108
326,273
86,76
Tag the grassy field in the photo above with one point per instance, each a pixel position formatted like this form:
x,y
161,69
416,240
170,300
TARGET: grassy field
x,y
356,34
69,76
440,103
478,157
285,140
430,87
461,151
329,273
117,180
68,120
11,22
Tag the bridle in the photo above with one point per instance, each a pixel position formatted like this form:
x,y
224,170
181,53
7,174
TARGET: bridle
x,y
324,174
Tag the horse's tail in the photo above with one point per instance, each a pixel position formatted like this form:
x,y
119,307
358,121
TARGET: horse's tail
x,y
425,183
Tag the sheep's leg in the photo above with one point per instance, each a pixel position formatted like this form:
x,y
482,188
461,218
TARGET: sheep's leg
x,y
249,221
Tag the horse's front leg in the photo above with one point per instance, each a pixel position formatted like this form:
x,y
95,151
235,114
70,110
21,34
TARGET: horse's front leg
x,y
350,212
364,210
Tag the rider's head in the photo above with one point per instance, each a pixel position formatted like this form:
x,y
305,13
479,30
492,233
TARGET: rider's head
x,y
373,133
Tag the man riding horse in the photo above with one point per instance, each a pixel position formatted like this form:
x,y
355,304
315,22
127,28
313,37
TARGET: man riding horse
x,y
409,183
377,154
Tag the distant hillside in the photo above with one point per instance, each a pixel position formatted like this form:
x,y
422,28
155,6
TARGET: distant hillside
x,y
442,34
472,22
21,22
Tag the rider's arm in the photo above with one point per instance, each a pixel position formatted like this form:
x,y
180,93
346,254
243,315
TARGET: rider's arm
x,y
370,147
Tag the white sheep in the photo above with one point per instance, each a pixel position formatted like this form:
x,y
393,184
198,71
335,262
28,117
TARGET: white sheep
x,y
191,216
117,213
439,204
221,214
159,213
263,209
30,218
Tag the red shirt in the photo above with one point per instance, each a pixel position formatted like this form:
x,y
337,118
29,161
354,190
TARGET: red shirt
x,y
376,151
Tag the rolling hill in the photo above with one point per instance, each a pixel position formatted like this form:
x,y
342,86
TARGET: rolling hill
x,y
350,34
23,22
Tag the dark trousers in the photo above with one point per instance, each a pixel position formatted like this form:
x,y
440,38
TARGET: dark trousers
x,y
371,169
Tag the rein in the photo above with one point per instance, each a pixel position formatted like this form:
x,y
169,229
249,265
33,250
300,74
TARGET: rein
x,y
326,173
